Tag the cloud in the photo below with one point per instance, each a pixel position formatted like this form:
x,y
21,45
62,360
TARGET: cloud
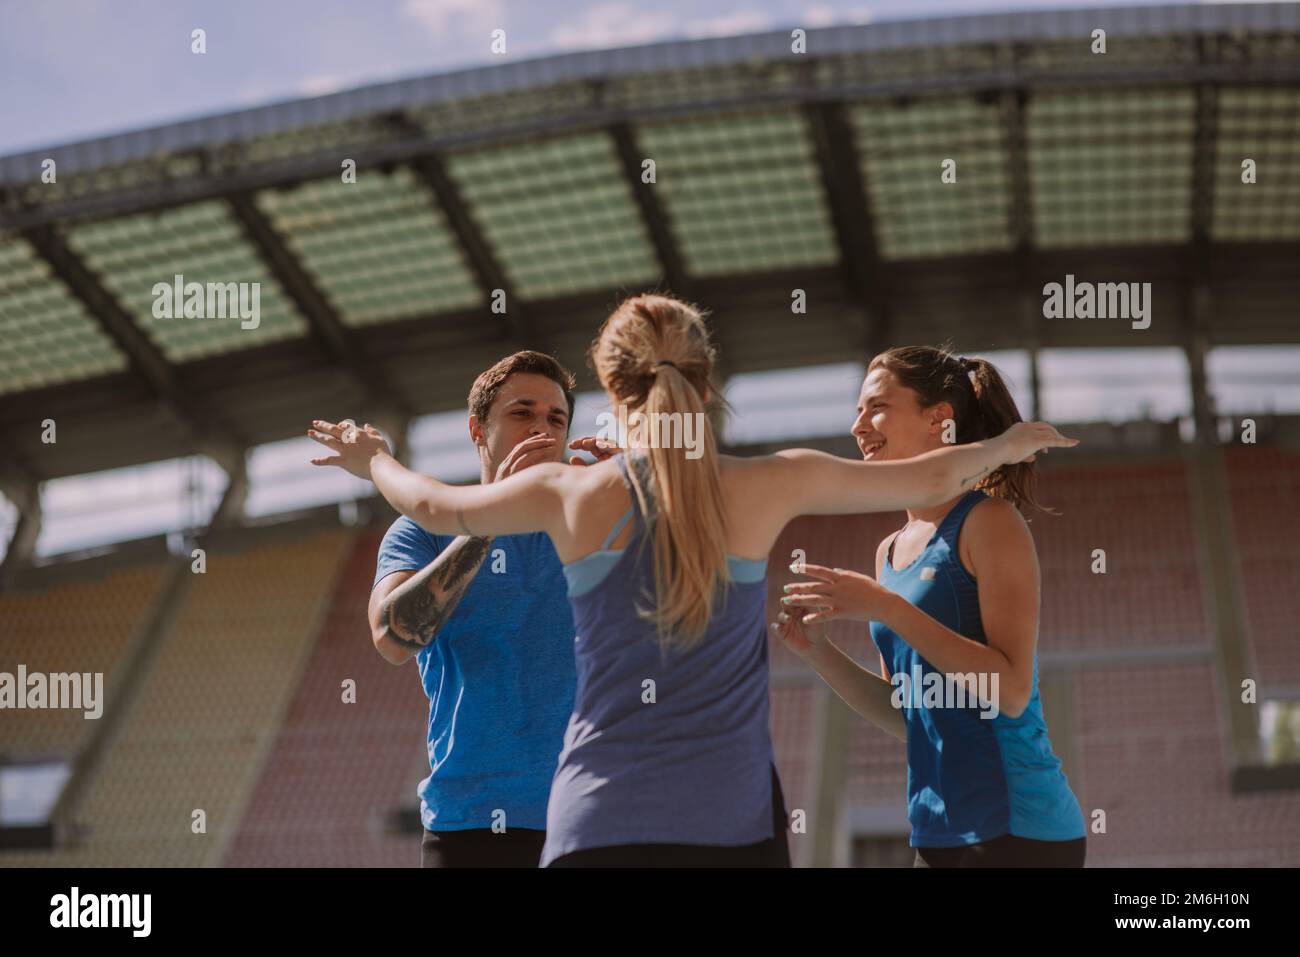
x,y
611,25
730,24
820,15
443,17
254,94
320,84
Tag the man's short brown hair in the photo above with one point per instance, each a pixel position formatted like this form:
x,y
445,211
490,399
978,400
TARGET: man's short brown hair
x,y
484,391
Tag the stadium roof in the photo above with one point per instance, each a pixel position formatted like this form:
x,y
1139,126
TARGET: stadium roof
x,y
775,170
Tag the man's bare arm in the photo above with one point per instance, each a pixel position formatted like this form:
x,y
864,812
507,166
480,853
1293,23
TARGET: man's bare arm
x,y
408,614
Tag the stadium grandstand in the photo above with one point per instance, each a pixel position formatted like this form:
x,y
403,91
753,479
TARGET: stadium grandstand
x,y
781,178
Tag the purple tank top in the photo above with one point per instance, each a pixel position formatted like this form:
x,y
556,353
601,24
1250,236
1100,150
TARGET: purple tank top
x,y
664,747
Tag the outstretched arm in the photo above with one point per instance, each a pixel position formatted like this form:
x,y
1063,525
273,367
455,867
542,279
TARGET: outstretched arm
x,y
528,501
815,483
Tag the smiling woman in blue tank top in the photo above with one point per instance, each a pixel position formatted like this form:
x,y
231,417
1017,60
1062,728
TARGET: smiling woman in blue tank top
x,y
667,758
956,593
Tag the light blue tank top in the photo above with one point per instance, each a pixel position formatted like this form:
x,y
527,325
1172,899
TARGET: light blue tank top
x,y
662,747
970,778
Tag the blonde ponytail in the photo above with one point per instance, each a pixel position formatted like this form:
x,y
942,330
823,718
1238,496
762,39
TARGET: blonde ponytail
x,y
653,354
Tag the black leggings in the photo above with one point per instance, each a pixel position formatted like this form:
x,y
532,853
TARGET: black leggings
x,y
773,852
482,847
1005,851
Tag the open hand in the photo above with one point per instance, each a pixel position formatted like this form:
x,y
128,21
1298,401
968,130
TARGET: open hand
x,y
355,446
1025,439
803,640
837,593
531,451
601,448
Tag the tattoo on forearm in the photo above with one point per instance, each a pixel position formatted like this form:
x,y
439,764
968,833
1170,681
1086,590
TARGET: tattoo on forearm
x,y
966,481
460,517
422,604
395,638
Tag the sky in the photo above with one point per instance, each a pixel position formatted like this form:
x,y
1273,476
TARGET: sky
x,y
75,69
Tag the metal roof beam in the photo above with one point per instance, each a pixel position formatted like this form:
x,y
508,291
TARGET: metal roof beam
x,y
166,193
341,345
145,358
861,267
431,168
24,491
652,212
1204,155
478,251
1020,223
1198,316
655,218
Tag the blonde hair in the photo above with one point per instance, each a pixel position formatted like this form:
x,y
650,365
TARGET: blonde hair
x,y
653,355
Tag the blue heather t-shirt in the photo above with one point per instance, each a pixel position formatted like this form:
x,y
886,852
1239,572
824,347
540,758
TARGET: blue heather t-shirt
x,y
500,678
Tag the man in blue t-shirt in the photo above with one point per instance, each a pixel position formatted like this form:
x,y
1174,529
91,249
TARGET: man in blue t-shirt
x,y
489,623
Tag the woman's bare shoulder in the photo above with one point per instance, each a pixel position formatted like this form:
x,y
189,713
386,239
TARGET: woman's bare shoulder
x,y
994,523
741,473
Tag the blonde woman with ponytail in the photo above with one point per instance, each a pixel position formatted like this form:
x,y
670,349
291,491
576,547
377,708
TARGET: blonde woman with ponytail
x,y
667,760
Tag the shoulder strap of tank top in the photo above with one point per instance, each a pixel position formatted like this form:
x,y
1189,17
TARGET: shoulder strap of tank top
x,y
889,552
618,527
957,514
631,488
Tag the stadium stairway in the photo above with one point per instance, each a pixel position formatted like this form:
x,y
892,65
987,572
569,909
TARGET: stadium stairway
x,y
338,774
195,736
